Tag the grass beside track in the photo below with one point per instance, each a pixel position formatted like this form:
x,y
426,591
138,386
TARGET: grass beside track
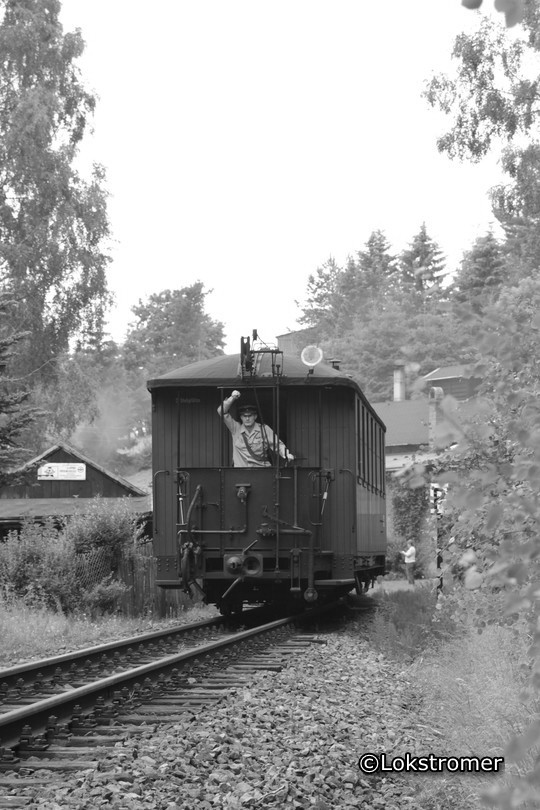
x,y
29,634
473,689
469,677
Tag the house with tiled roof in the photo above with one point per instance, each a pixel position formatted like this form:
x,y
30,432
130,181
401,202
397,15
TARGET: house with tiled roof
x,y
407,430
411,423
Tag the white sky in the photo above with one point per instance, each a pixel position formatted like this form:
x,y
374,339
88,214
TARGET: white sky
x,y
247,141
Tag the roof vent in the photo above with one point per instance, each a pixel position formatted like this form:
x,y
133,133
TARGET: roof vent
x,y
335,363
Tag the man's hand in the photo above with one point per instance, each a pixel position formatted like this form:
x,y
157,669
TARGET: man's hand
x,y
235,394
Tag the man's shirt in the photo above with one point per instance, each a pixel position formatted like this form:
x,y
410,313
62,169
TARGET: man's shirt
x,y
258,457
410,555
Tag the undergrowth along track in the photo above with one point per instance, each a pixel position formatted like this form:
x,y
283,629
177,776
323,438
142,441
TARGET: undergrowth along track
x,y
30,681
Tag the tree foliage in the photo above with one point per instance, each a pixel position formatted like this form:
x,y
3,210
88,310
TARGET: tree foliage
x,y
422,263
337,296
513,10
172,329
482,273
382,308
318,309
16,416
368,276
53,223
492,100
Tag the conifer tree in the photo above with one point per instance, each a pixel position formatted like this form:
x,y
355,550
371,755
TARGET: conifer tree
x,y
423,263
369,275
377,265
318,310
481,275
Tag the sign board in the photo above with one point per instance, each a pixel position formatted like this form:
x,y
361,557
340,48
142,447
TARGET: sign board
x,y
62,472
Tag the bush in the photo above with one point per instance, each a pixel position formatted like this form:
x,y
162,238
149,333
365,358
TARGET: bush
x,y
108,525
39,566
104,597
66,567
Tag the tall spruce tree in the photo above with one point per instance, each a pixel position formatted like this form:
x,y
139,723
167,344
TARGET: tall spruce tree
x,y
53,223
338,296
481,275
368,277
376,264
423,263
318,309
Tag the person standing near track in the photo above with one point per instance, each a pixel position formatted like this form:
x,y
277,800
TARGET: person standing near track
x,y
251,439
409,559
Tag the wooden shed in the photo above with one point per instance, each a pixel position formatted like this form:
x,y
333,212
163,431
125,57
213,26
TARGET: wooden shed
x,y
61,482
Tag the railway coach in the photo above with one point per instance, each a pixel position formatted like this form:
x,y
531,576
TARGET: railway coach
x,y
275,532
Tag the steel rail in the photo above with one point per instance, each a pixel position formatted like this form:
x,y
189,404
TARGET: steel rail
x,y
45,666
62,706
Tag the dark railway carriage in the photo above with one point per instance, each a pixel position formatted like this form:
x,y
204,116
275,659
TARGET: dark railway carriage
x,y
305,531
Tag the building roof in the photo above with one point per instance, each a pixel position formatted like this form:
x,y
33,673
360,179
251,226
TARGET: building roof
x,y
17,509
407,422
451,373
403,461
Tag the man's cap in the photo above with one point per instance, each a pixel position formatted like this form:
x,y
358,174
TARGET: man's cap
x,y
247,409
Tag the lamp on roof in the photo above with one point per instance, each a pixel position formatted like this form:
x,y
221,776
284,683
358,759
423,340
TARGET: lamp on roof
x,y
311,356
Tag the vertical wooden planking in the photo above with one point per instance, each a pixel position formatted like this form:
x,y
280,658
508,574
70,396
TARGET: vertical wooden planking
x,y
165,461
338,416
303,425
199,428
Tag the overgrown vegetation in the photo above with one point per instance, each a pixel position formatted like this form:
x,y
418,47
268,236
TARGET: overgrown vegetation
x,y
409,508
36,632
70,566
407,623
408,511
104,525
474,689
469,665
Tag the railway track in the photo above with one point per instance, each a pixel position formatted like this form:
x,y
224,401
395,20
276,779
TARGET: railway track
x,y
27,683
44,736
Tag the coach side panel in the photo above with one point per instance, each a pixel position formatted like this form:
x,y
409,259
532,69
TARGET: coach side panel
x,y
370,477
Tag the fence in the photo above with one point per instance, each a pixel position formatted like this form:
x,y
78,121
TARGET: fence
x,y
138,572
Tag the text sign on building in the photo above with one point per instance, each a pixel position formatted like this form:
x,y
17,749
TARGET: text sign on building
x,y
62,472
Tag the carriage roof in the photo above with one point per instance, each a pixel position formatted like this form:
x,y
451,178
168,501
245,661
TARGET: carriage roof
x,y
226,370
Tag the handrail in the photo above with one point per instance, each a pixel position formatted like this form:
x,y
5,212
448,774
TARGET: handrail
x,y
154,495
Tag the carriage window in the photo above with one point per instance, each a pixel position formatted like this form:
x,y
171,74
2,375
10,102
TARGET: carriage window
x,y
359,439
363,442
381,461
250,435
